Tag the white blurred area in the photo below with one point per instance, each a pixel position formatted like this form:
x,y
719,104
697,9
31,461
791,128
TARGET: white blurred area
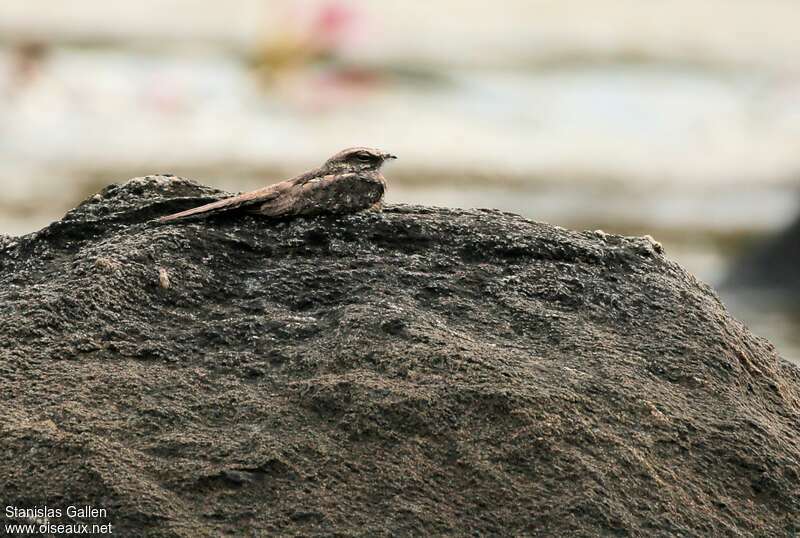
x,y
653,116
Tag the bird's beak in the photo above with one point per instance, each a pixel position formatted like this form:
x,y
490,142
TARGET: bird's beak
x,y
387,156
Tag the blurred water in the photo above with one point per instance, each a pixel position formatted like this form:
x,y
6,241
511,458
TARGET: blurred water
x,y
636,123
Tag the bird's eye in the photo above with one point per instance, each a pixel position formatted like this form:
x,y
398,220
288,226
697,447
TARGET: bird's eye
x,y
364,157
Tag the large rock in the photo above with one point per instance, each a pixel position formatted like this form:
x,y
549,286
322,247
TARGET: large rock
x,y
418,371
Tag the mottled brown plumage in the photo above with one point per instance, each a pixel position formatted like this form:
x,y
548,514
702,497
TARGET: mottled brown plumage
x,y
348,182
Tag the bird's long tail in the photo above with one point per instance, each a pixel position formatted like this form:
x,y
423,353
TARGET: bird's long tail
x,y
219,206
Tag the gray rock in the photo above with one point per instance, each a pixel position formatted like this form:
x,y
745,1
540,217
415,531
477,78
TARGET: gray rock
x,y
420,371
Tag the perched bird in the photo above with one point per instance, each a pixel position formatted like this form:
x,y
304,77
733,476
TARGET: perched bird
x,y
348,182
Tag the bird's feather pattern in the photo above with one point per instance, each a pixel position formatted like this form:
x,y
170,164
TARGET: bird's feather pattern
x,y
349,181
332,193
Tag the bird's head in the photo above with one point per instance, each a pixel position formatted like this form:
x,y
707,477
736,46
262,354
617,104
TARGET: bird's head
x,y
357,160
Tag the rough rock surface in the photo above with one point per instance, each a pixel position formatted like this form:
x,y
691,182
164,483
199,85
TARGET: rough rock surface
x,y
419,371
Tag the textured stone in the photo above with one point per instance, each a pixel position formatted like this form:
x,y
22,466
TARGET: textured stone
x,y
420,371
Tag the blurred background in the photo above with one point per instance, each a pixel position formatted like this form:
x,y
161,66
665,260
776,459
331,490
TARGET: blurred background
x,y
676,119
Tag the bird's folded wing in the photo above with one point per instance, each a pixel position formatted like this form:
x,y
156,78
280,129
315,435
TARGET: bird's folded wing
x,y
331,193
